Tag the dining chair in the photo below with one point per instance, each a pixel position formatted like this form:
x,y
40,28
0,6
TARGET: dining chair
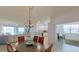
x,y
21,39
41,40
10,48
35,39
49,48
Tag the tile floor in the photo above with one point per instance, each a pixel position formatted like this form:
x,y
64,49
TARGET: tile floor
x,y
63,47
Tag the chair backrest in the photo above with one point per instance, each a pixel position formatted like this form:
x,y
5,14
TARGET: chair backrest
x,y
49,48
35,39
10,48
21,39
41,40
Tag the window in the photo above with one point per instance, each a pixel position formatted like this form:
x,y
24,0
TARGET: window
x,y
74,28
42,27
8,30
66,28
21,30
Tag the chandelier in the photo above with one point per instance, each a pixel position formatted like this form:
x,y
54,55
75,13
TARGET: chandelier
x,y
29,25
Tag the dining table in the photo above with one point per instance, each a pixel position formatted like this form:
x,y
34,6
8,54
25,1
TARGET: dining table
x,y
33,47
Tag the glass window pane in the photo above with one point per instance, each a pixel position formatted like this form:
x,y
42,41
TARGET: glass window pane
x,y
42,27
8,30
21,30
66,28
74,28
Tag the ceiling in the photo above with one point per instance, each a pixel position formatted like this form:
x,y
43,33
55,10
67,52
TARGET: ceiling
x,y
19,14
